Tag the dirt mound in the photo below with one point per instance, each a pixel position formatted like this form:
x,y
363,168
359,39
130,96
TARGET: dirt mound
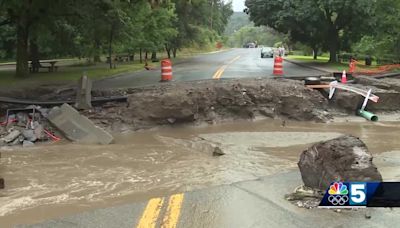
x,y
211,101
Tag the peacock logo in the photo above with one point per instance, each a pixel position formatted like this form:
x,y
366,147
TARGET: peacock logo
x,y
338,194
338,188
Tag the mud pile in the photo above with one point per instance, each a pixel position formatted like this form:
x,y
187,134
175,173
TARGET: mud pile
x,y
212,101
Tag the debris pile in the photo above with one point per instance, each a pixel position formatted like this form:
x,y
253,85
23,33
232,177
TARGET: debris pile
x,y
34,124
26,127
213,102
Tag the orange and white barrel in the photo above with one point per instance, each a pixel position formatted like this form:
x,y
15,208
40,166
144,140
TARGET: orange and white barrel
x,y
278,66
166,70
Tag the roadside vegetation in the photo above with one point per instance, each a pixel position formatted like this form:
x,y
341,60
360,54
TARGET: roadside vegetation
x,y
359,29
50,29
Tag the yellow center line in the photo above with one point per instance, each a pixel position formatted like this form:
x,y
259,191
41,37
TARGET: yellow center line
x,y
150,214
221,70
173,211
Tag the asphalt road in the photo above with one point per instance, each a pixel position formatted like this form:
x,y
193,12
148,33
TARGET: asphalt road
x,y
233,63
258,203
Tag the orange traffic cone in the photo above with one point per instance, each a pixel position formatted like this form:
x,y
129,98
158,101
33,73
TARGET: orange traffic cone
x,y
278,66
344,77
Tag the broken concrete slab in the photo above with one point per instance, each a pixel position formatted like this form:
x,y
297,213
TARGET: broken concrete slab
x,y
11,136
342,159
76,127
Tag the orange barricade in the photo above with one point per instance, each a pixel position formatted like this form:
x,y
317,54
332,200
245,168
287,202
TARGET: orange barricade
x,y
166,70
278,66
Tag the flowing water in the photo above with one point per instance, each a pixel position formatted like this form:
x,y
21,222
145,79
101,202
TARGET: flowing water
x,y
55,180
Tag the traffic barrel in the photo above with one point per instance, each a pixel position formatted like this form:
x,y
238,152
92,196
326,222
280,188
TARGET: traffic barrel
x,y
166,70
278,66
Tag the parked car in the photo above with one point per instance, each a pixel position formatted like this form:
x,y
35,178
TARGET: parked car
x,y
267,52
250,45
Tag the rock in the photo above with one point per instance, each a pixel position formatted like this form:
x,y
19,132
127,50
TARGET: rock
x,y
171,120
39,131
11,136
27,143
218,152
29,135
345,158
22,119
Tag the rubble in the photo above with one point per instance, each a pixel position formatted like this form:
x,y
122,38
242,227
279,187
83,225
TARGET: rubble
x,y
342,159
12,136
218,152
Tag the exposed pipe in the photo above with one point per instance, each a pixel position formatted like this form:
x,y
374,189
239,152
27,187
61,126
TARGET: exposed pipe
x,y
368,115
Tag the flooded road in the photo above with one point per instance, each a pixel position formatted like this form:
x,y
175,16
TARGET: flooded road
x,y
56,180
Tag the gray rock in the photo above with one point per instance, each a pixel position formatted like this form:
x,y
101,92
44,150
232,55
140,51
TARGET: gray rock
x,y
218,152
39,131
342,159
26,143
12,136
29,135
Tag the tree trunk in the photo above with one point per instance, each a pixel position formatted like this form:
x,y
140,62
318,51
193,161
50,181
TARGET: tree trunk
x,y
34,55
22,69
153,56
333,45
140,55
168,50
110,46
315,53
145,55
174,52
96,56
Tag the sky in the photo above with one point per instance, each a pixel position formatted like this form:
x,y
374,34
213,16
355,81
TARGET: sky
x,y
238,5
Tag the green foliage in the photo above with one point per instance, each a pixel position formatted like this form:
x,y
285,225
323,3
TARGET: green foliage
x,y
261,35
328,24
57,28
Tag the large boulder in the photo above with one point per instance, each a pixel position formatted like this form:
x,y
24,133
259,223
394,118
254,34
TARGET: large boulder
x,y
345,158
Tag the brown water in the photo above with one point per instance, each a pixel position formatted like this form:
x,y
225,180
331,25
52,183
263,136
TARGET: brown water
x,y
56,180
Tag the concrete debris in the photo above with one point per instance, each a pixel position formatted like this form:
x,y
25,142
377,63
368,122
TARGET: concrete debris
x,y
26,143
305,197
29,135
218,152
11,136
25,124
342,159
76,127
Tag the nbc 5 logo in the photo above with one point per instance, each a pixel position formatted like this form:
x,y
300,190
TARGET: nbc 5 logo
x,y
358,194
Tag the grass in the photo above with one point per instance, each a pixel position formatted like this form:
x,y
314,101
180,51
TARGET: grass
x,y
66,74
73,69
322,61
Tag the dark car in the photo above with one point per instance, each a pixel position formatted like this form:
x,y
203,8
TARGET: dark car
x,y
267,52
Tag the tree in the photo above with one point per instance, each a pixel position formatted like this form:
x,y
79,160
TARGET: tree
x,y
331,24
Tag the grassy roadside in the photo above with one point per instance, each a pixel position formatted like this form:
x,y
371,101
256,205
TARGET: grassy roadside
x,y
65,74
70,72
322,62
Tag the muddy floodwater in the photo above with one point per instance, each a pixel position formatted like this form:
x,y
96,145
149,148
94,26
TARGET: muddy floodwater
x,y
57,180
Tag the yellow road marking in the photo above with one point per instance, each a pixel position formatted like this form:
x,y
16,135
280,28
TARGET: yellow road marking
x,y
171,217
221,70
150,214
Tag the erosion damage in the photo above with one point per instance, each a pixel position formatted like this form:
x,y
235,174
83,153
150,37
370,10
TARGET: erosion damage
x,y
210,101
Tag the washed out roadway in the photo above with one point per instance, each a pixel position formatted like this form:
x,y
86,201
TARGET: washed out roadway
x,y
232,63
257,203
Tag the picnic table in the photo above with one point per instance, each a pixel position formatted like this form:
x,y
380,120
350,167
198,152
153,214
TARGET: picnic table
x,y
50,65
